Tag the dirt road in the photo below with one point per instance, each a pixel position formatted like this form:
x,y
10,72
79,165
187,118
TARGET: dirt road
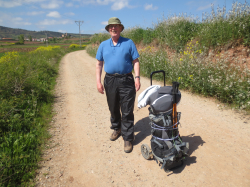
x,y
81,153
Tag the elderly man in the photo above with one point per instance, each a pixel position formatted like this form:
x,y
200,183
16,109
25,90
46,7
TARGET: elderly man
x,y
120,56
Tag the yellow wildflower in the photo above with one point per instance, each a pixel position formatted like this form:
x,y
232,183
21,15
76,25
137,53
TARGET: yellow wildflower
x,y
9,56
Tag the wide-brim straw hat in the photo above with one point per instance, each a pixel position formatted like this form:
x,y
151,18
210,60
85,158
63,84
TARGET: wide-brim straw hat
x,y
114,20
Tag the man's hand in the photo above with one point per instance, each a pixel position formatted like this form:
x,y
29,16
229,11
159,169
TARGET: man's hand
x,y
100,88
137,84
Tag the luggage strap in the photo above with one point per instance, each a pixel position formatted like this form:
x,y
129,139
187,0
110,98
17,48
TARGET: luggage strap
x,y
167,139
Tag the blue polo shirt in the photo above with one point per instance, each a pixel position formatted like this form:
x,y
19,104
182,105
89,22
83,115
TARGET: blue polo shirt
x,y
117,59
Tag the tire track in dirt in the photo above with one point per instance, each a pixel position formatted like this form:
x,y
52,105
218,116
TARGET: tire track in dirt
x,y
81,153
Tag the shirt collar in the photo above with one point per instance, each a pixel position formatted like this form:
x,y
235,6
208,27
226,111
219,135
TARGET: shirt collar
x,y
118,43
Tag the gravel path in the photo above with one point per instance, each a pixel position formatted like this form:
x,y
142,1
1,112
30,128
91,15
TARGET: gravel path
x,y
81,154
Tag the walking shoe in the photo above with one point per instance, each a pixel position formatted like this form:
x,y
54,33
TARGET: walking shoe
x,y
128,146
115,135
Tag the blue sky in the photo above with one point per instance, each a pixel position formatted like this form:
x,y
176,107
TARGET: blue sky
x,y
60,15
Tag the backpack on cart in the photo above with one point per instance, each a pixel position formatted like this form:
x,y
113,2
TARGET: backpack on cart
x,y
166,143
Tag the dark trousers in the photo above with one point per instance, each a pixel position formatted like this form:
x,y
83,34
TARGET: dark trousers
x,y
120,92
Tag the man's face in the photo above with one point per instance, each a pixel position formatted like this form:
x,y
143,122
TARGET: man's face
x,y
115,30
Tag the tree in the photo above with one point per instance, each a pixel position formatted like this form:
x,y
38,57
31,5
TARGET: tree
x,y
21,39
30,38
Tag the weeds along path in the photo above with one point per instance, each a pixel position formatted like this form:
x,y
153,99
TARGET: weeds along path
x,y
81,154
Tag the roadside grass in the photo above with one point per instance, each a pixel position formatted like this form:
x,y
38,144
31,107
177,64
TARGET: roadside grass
x,y
215,30
31,47
27,81
92,50
191,40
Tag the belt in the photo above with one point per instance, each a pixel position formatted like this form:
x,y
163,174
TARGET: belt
x,y
117,74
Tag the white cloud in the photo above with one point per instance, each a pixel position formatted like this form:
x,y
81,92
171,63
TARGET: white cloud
x,y
69,14
52,5
54,14
118,5
150,7
34,13
104,23
104,2
9,21
15,3
55,22
18,21
62,31
204,7
9,4
69,4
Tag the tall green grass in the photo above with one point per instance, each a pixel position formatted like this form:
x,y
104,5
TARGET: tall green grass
x,y
213,30
26,97
98,38
92,50
220,27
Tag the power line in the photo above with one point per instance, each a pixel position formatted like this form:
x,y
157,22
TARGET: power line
x,y
79,23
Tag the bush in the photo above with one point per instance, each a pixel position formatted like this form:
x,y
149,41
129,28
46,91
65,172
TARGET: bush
x,y
135,34
99,38
175,32
92,50
74,46
19,43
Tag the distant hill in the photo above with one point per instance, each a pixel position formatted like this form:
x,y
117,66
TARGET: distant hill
x,y
6,32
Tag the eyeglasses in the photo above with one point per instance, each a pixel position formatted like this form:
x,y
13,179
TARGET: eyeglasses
x,y
115,26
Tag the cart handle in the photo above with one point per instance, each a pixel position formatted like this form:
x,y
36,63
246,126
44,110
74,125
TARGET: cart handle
x,y
159,71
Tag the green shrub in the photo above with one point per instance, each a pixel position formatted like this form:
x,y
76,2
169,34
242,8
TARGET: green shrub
x,y
175,32
135,34
74,46
99,38
148,36
92,50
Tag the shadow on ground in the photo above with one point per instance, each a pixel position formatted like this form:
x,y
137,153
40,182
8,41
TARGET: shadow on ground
x,y
144,130
194,143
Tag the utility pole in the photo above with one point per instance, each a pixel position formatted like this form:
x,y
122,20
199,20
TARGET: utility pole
x,y
46,39
79,23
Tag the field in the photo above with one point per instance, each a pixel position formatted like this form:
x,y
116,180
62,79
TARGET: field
x,y
6,46
27,79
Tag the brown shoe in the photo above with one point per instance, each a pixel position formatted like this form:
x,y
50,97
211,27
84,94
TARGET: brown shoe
x,y
128,146
116,134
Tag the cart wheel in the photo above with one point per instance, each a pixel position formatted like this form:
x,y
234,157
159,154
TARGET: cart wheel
x,y
146,151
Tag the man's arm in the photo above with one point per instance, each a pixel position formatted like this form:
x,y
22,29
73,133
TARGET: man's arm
x,y
99,66
137,73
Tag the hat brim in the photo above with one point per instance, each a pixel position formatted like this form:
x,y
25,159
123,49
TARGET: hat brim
x,y
107,27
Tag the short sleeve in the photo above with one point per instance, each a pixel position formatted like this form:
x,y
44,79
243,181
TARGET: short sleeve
x,y
99,54
134,52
